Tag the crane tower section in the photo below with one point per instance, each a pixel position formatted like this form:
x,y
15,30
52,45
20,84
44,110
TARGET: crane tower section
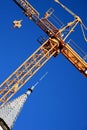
x,y
32,14
18,78
52,31
53,46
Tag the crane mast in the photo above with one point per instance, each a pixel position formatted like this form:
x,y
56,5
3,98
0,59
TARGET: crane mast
x,y
55,33
32,14
18,78
51,47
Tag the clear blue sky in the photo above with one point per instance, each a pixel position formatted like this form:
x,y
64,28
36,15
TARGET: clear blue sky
x,y
60,101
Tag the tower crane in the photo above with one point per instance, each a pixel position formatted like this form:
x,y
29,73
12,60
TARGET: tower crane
x,y
83,27
54,45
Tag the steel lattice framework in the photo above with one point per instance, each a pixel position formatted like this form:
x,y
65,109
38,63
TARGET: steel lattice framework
x,y
28,69
53,46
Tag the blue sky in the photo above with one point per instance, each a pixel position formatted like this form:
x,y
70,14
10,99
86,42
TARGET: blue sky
x,y
60,100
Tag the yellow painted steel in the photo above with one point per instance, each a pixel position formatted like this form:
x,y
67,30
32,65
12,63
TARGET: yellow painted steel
x,y
74,58
19,77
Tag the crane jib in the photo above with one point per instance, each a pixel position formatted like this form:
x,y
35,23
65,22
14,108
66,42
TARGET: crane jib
x,y
51,47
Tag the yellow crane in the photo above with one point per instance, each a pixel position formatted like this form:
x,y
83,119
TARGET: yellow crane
x,y
54,45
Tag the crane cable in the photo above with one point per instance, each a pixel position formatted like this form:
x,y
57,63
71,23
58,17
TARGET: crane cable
x,y
83,27
68,10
